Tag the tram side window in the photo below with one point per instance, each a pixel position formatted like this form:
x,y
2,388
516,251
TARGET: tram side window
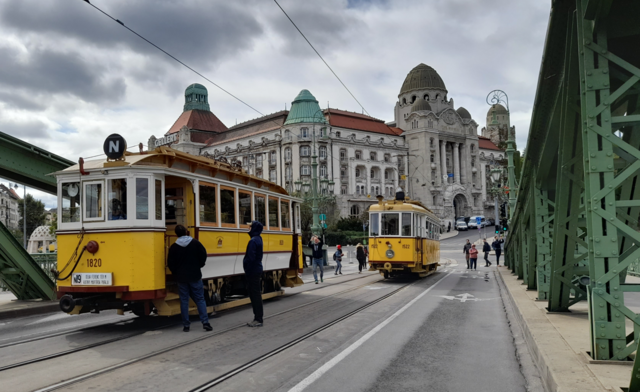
x,y
228,206
158,199
174,211
93,201
208,211
70,202
285,215
245,207
390,224
374,225
273,214
260,208
406,224
142,198
117,199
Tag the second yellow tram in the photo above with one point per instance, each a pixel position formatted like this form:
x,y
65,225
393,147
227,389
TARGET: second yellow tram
x,y
404,238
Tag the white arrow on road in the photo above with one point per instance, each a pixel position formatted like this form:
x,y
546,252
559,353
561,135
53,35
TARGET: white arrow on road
x,y
463,298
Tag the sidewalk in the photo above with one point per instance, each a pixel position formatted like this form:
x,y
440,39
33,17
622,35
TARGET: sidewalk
x,y
559,343
450,234
10,307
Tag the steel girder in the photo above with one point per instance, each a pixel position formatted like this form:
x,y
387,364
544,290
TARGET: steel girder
x,y
30,165
608,38
544,219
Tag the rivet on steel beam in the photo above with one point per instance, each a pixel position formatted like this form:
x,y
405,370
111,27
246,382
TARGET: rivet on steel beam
x,y
587,42
597,239
618,326
606,103
605,71
610,167
614,253
609,154
615,287
616,297
601,325
603,335
598,252
589,73
590,85
600,291
616,304
618,335
593,155
603,51
593,168
606,84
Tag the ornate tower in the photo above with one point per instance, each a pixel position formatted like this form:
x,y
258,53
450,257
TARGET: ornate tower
x,y
196,97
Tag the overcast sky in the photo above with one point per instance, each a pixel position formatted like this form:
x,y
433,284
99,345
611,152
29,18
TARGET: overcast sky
x,y
70,76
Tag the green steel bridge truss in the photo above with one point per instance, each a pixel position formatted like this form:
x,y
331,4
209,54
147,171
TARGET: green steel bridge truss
x,y
574,228
30,165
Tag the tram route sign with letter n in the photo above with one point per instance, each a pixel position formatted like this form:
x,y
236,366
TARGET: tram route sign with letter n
x,y
114,146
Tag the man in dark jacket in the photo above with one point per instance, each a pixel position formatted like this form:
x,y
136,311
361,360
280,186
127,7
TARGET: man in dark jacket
x,y
465,250
486,249
316,248
186,257
497,246
252,265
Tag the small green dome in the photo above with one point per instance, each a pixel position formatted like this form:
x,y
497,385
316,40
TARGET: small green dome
x,y
196,97
420,104
305,109
498,108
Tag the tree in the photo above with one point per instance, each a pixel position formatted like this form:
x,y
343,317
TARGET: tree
x,y
54,224
36,215
352,223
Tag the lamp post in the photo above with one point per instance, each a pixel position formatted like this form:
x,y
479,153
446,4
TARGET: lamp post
x,y
24,214
500,97
496,173
315,184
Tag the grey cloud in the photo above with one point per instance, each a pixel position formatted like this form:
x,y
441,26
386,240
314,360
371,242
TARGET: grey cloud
x,y
47,71
194,31
33,129
16,100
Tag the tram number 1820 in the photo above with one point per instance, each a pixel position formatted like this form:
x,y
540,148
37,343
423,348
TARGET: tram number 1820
x,y
94,262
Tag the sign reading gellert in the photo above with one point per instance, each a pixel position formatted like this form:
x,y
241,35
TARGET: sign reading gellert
x,y
166,139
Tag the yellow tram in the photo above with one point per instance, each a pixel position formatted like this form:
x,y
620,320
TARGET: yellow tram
x,y
116,220
404,237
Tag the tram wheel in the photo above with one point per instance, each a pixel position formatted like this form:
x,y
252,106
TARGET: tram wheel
x,y
386,274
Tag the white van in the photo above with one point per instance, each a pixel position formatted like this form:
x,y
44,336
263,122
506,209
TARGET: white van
x,y
473,222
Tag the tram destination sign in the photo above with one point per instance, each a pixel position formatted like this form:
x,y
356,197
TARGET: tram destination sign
x,y
166,140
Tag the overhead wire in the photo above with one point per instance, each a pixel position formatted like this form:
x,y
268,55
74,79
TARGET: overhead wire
x,y
319,55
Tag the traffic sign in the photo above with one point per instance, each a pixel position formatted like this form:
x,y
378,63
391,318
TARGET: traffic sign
x,y
323,217
450,174
114,146
403,177
478,220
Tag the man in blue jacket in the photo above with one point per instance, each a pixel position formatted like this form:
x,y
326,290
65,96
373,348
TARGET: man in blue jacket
x,y
186,257
252,265
318,261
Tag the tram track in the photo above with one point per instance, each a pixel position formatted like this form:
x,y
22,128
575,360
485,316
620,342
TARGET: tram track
x,y
108,369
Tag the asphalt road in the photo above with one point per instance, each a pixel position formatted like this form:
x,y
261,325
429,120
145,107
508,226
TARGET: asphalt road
x,y
446,332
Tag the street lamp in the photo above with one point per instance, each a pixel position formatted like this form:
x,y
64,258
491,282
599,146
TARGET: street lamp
x,y
305,186
500,97
496,173
298,185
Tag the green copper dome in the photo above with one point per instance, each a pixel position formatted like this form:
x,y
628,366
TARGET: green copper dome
x,y
305,109
196,97
420,104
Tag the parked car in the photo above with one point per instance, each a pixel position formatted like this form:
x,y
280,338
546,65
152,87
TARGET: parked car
x,y
491,222
460,222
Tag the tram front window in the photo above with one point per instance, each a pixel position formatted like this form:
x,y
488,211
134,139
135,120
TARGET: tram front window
x,y
390,224
374,225
70,202
117,197
406,224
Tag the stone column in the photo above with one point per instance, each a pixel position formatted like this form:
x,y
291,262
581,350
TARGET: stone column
x,y
464,159
367,173
456,163
351,170
443,160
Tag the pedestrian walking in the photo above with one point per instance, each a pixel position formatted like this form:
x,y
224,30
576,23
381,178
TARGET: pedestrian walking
x,y
497,247
465,250
252,265
186,257
361,257
449,228
486,248
473,257
316,247
337,257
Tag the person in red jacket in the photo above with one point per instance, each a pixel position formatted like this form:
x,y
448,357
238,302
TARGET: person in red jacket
x,y
473,256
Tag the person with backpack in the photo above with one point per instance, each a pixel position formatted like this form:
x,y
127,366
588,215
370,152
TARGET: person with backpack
x,y
186,257
473,257
497,246
337,257
465,250
486,249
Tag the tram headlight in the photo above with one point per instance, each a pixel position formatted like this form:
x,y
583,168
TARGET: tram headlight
x,y
390,253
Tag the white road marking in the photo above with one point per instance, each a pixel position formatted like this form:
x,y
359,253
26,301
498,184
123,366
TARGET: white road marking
x,y
466,297
335,360
57,316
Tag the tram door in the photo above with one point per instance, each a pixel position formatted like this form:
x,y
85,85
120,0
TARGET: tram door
x,y
179,208
419,230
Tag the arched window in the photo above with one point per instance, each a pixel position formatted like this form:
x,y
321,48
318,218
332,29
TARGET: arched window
x,y
387,158
372,156
433,158
358,154
437,97
357,172
426,97
287,134
305,151
373,173
305,170
386,175
404,101
258,160
413,99
287,173
323,171
323,152
304,132
287,154
373,190
377,190
472,148
434,200
343,155
272,157
355,210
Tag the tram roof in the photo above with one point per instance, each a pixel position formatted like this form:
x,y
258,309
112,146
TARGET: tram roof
x,y
167,157
401,205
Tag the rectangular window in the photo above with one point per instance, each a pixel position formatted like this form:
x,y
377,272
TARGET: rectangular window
x,y
117,199
244,199
93,201
70,202
390,224
260,208
142,198
284,214
174,210
228,206
208,211
374,225
158,199
273,214
406,224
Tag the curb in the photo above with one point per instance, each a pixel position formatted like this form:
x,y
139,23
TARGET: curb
x,y
326,267
51,307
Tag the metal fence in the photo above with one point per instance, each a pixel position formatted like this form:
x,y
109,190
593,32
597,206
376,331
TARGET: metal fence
x,y
46,261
